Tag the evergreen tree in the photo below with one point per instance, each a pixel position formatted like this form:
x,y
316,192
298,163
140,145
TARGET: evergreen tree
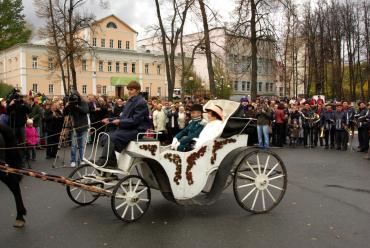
x,y
13,28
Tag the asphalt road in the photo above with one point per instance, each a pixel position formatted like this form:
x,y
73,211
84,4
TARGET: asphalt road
x,y
327,204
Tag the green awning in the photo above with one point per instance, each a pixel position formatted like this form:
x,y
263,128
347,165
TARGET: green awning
x,y
122,81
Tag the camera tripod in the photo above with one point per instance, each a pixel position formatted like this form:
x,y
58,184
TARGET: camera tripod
x,y
64,140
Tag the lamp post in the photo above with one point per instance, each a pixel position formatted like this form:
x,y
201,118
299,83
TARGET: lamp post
x,y
192,88
150,90
222,87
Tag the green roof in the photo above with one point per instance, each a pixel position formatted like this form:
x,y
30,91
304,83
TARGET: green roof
x,y
122,81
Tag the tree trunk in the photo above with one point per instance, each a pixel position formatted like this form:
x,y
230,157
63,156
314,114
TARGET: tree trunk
x,y
165,52
253,41
212,85
59,56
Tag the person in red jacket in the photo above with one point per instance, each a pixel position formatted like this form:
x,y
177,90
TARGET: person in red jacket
x,y
280,117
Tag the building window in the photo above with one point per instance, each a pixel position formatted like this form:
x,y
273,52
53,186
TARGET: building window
x,y
84,89
159,92
236,85
34,62
51,88
146,69
248,86
109,66
50,64
125,67
119,44
133,68
243,86
102,42
271,87
104,90
100,65
117,66
111,43
260,86
267,87
111,25
94,42
127,45
84,65
34,88
158,69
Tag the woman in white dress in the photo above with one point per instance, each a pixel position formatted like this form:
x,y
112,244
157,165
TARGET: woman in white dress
x,y
214,127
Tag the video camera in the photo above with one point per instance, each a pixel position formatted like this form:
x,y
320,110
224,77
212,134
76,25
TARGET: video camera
x,y
72,98
14,95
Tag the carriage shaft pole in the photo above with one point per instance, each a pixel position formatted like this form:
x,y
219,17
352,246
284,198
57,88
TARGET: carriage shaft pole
x,y
58,179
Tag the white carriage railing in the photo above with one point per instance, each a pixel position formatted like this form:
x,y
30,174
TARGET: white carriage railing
x,y
147,133
94,148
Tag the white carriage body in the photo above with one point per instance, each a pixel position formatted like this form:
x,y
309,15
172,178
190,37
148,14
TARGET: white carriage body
x,y
187,172
194,166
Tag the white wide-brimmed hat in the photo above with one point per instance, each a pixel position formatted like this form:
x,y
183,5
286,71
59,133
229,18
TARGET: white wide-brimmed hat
x,y
218,110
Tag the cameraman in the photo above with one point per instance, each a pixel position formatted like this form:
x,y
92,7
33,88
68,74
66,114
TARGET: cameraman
x,y
77,110
17,111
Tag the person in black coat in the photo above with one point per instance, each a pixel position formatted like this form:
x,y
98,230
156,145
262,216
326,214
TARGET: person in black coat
x,y
54,124
172,124
133,120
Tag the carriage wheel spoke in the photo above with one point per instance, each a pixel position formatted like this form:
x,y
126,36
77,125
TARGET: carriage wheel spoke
x,y
73,189
142,199
266,164
79,174
121,205
273,178
255,199
250,192
79,193
137,185
263,200
123,188
132,213
269,193
143,190
130,185
273,168
138,207
258,164
124,212
84,196
276,187
246,176
245,185
251,168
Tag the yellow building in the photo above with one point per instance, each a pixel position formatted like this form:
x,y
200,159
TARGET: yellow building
x,y
114,62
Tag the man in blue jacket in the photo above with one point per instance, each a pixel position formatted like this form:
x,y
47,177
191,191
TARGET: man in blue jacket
x,y
182,140
134,119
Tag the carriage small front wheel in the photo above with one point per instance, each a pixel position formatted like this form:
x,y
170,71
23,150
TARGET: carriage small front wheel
x,y
131,198
260,181
83,174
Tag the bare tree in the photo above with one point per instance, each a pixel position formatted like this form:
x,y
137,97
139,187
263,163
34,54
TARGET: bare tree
x,y
253,23
170,35
207,48
65,21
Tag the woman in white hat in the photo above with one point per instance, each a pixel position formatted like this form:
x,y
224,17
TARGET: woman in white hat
x,y
214,127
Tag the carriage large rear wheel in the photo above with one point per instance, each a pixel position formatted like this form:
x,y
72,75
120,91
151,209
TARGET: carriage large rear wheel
x,y
83,174
260,181
131,198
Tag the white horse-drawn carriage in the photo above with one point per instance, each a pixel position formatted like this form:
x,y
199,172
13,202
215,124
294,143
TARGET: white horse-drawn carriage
x,y
195,177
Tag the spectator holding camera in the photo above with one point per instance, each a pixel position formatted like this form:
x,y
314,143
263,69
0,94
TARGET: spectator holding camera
x,y
17,111
77,109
